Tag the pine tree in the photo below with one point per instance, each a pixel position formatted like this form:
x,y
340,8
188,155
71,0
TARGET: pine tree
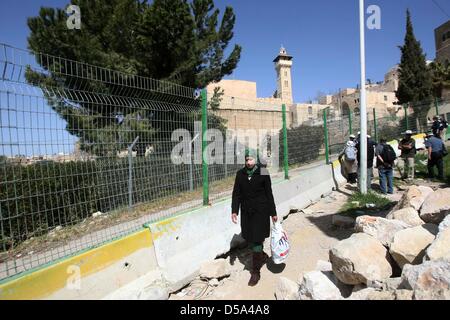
x,y
174,40
414,76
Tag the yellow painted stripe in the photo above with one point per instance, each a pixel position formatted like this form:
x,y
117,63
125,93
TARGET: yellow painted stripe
x,y
336,163
44,282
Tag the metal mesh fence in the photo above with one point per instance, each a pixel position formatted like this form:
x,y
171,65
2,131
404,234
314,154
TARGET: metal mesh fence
x,y
90,154
86,156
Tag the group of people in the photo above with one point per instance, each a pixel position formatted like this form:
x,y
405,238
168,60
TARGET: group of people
x,y
439,127
253,198
386,157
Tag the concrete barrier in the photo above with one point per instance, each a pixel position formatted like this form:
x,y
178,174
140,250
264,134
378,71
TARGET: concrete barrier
x,y
88,275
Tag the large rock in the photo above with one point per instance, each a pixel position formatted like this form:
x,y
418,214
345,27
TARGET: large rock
x,y
430,280
327,269
445,223
286,290
407,215
381,295
380,228
342,221
324,266
413,197
403,294
417,202
409,245
215,269
154,293
440,248
360,293
436,206
360,259
316,285
392,284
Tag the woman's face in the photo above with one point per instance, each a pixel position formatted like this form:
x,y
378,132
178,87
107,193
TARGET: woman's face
x,y
249,162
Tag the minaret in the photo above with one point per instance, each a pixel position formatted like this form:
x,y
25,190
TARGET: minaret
x,y
283,64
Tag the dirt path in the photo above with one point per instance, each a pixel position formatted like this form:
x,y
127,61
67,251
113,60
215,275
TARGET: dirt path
x,y
311,235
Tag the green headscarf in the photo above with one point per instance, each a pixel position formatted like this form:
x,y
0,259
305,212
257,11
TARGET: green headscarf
x,y
252,154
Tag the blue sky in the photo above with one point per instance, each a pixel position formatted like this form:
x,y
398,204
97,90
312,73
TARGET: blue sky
x,y
321,35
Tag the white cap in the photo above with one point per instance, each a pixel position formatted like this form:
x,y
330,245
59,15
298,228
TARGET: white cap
x,y
352,136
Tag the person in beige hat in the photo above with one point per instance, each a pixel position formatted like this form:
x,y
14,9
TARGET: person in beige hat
x,y
406,160
348,161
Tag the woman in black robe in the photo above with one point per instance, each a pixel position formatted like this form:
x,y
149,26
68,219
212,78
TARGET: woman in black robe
x,y
252,193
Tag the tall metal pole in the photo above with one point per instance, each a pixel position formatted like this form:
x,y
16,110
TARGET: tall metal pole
x,y
204,145
325,136
363,115
285,144
436,105
130,172
350,120
406,116
375,129
191,179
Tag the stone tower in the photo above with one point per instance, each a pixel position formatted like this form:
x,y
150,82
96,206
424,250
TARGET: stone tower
x,y
283,64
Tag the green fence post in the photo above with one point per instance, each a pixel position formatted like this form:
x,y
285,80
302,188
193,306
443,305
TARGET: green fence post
x,y
350,122
375,129
285,144
406,116
436,105
204,155
325,133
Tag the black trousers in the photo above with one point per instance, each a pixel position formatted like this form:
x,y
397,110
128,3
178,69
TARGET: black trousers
x,y
436,160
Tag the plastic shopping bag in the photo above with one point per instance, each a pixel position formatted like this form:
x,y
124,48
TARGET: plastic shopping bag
x,y
279,244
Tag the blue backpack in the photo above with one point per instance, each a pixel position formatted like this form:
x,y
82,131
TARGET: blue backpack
x,y
350,153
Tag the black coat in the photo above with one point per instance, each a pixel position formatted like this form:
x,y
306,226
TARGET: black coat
x,y
255,199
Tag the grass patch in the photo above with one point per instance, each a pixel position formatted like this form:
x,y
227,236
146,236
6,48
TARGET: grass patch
x,y
361,204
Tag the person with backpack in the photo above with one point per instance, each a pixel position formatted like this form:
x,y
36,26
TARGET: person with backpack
x,y
385,163
436,152
435,127
408,152
349,163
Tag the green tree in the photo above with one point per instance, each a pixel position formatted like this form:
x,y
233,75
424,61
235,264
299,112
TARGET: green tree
x,y
414,76
171,40
216,98
440,73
